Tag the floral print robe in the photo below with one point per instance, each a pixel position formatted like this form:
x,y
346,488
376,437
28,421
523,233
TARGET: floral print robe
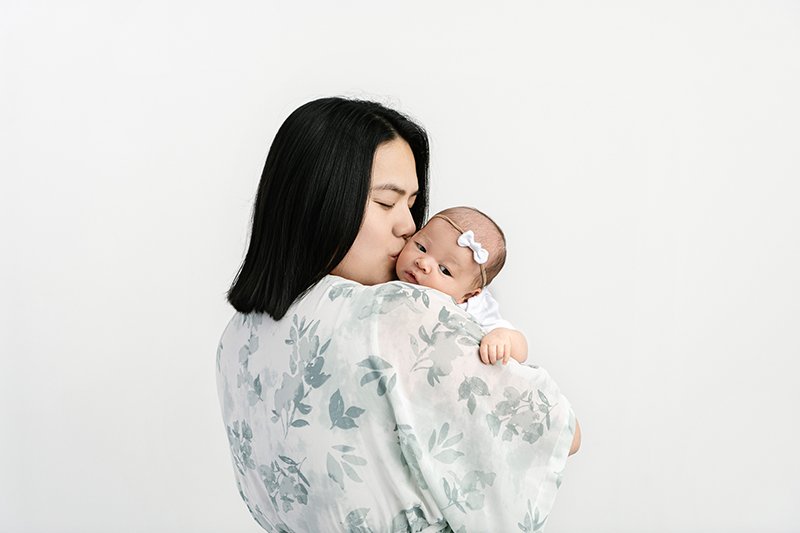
x,y
367,409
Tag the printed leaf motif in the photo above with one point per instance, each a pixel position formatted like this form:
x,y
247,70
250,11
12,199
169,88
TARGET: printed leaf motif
x,y
336,406
452,441
245,377
335,467
443,432
448,456
464,390
494,423
356,517
371,376
471,404
306,365
240,436
414,345
285,486
354,459
474,501
411,452
335,471
378,366
424,335
468,493
478,386
543,398
410,520
375,363
351,473
470,388
345,291
354,412
441,348
382,386
340,418
346,423
521,415
531,521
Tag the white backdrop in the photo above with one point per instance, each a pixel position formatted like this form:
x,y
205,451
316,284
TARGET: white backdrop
x,y
642,158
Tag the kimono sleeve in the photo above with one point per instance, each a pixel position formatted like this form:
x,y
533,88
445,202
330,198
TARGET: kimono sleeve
x,y
487,444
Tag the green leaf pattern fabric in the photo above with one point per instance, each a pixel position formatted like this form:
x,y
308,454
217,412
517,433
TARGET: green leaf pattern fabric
x,y
367,409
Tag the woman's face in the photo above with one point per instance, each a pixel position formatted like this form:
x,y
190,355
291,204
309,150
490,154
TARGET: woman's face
x,y
387,218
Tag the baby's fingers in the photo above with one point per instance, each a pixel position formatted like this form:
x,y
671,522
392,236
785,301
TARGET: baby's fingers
x,y
493,353
484,351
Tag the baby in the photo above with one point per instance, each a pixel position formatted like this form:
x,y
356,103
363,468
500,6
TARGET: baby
x,y
459,252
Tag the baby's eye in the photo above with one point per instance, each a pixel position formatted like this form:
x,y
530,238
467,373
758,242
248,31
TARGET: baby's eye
x,y
443,270
420,247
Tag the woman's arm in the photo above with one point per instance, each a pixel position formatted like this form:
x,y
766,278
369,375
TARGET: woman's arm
x,y
470,433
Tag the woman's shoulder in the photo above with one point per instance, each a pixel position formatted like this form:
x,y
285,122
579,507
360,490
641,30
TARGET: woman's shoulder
x,y
396,302
335,287
344,303
382,294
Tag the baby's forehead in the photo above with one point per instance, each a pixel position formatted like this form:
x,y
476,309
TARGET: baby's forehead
x,y
468,220
439,228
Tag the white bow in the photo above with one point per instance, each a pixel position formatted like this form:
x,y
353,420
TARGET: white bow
x,y
467,239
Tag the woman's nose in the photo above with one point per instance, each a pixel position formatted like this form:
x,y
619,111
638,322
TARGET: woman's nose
x,y
405,226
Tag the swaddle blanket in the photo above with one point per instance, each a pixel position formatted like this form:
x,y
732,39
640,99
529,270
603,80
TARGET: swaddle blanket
x,y
368,409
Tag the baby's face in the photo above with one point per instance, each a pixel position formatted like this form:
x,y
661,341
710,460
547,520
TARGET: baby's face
x,y
433,258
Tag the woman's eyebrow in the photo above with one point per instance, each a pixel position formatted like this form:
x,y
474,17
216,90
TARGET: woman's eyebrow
x,y
392,187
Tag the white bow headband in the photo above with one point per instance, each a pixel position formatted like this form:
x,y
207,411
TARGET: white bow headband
x,y
467,240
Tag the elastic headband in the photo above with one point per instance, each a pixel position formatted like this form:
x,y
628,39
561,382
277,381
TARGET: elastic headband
x,y
467,240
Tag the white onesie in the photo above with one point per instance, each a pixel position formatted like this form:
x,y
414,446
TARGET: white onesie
x,y
486,311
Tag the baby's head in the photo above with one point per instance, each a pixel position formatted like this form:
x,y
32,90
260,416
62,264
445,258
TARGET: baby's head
x,y
434,258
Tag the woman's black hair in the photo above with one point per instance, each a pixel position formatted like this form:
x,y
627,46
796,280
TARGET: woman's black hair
x,y
312,196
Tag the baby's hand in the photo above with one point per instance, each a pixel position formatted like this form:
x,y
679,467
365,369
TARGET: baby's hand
x,y
496,345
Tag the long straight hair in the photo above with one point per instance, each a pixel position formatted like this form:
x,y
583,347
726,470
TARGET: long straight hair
x,y
312,196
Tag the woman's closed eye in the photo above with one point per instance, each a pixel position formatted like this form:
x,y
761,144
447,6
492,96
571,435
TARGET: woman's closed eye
x,y
385,206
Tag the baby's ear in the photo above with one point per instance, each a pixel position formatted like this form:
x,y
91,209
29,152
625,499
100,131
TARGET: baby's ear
x,y
469,295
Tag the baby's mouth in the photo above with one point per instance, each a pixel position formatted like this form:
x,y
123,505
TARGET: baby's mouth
x,y
412,277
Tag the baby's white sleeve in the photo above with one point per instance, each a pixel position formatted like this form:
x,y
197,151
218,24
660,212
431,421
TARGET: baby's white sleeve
x,y
486,311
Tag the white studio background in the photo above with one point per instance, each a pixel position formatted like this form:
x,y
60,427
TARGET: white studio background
x,y
642,158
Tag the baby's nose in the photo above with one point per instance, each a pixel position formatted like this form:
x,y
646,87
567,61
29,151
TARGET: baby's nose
x,y
423,264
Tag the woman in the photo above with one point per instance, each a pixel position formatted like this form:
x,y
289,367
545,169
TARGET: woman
x,y
352,404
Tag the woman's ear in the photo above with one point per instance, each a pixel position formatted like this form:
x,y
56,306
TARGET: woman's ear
x,y
469,295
